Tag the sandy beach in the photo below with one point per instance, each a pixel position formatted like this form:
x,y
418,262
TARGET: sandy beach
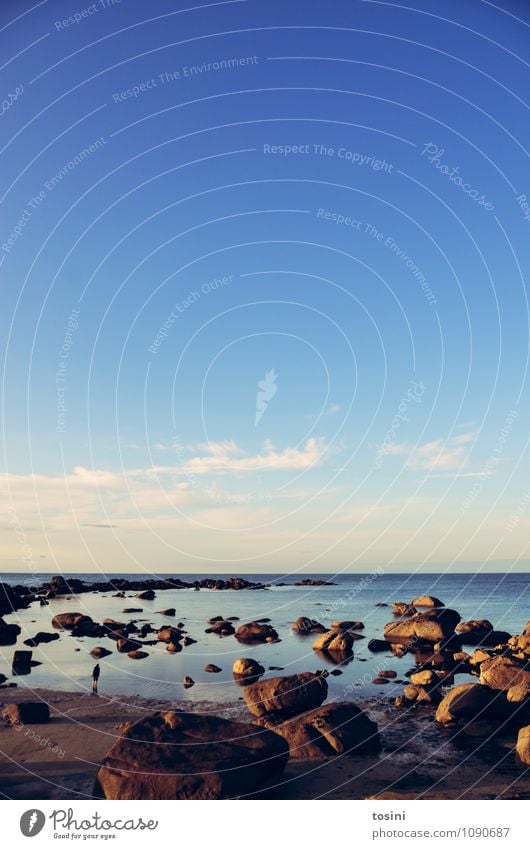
x,y
418,761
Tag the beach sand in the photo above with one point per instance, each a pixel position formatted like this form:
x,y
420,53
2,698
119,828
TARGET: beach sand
x,y
60,759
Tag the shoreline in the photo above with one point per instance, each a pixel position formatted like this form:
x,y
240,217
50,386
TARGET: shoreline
x,y
418,761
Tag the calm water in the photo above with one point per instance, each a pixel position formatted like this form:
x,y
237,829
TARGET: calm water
x,y
504,599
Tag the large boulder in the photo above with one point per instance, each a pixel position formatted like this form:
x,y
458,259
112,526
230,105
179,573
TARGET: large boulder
x,y
501,673
256,632
303,625
287,695
26,713
427,601
431,626
174,755
470,701
327,731
403,608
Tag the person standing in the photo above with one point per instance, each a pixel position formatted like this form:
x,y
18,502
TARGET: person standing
x,y
95,678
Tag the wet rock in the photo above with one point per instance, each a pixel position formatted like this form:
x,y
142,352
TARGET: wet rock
x,y
169,634
136,654
173,648
431,626
378,645
188,641
387,673
501,673
380,680
256,632
518,694
188,682
246,670
170,611
99,651
211,667
8,633
146,595
222,628
347,625
175,755
303,625
26,713
520,643
41,637
336,641
403,608
479,656
287,695
67,621
337,729
133,610
22,662
124,646
425,677
427,601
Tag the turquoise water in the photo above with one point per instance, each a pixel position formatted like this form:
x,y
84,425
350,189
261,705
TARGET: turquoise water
x,y
504,599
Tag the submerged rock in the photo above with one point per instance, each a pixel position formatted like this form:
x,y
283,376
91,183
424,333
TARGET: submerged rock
x,y
256,632
303,625
175,755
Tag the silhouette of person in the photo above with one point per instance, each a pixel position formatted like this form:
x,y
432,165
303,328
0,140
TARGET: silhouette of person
x,y
95,678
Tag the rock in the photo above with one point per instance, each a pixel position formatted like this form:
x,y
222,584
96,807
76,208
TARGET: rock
x,y
41,637
518,694
256,632
22,661
387,673
347,625
379,680
522,748
188,641
26,713
501,673
337,729
477,632
378,645
520,643
215,619
124,646
461,657
427,601
170,611
146,595
431,626
287,695
175,755
67,621
479,656
136,654
222,628
211,667
335,641
99,651
469,701
304,625
425,677
247,671
169,634
173,648
403,608
8,633
188,682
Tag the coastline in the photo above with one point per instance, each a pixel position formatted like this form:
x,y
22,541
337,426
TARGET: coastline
x,y
419,760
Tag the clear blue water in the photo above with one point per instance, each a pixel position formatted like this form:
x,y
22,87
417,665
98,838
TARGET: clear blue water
x,y
504,599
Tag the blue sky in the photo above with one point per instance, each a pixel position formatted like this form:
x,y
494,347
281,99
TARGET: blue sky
x,y
326,199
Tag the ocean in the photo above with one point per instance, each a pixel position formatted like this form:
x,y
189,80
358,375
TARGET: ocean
x,y
504,599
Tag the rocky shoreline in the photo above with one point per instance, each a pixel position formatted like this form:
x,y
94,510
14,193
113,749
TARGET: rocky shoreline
x,y
476,729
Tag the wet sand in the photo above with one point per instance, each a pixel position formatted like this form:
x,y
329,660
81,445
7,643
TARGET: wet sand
x,y
420,760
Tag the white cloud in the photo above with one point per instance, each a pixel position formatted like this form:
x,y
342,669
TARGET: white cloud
x,y
439,454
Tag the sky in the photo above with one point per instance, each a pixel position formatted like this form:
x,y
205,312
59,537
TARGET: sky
x,y
263,286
